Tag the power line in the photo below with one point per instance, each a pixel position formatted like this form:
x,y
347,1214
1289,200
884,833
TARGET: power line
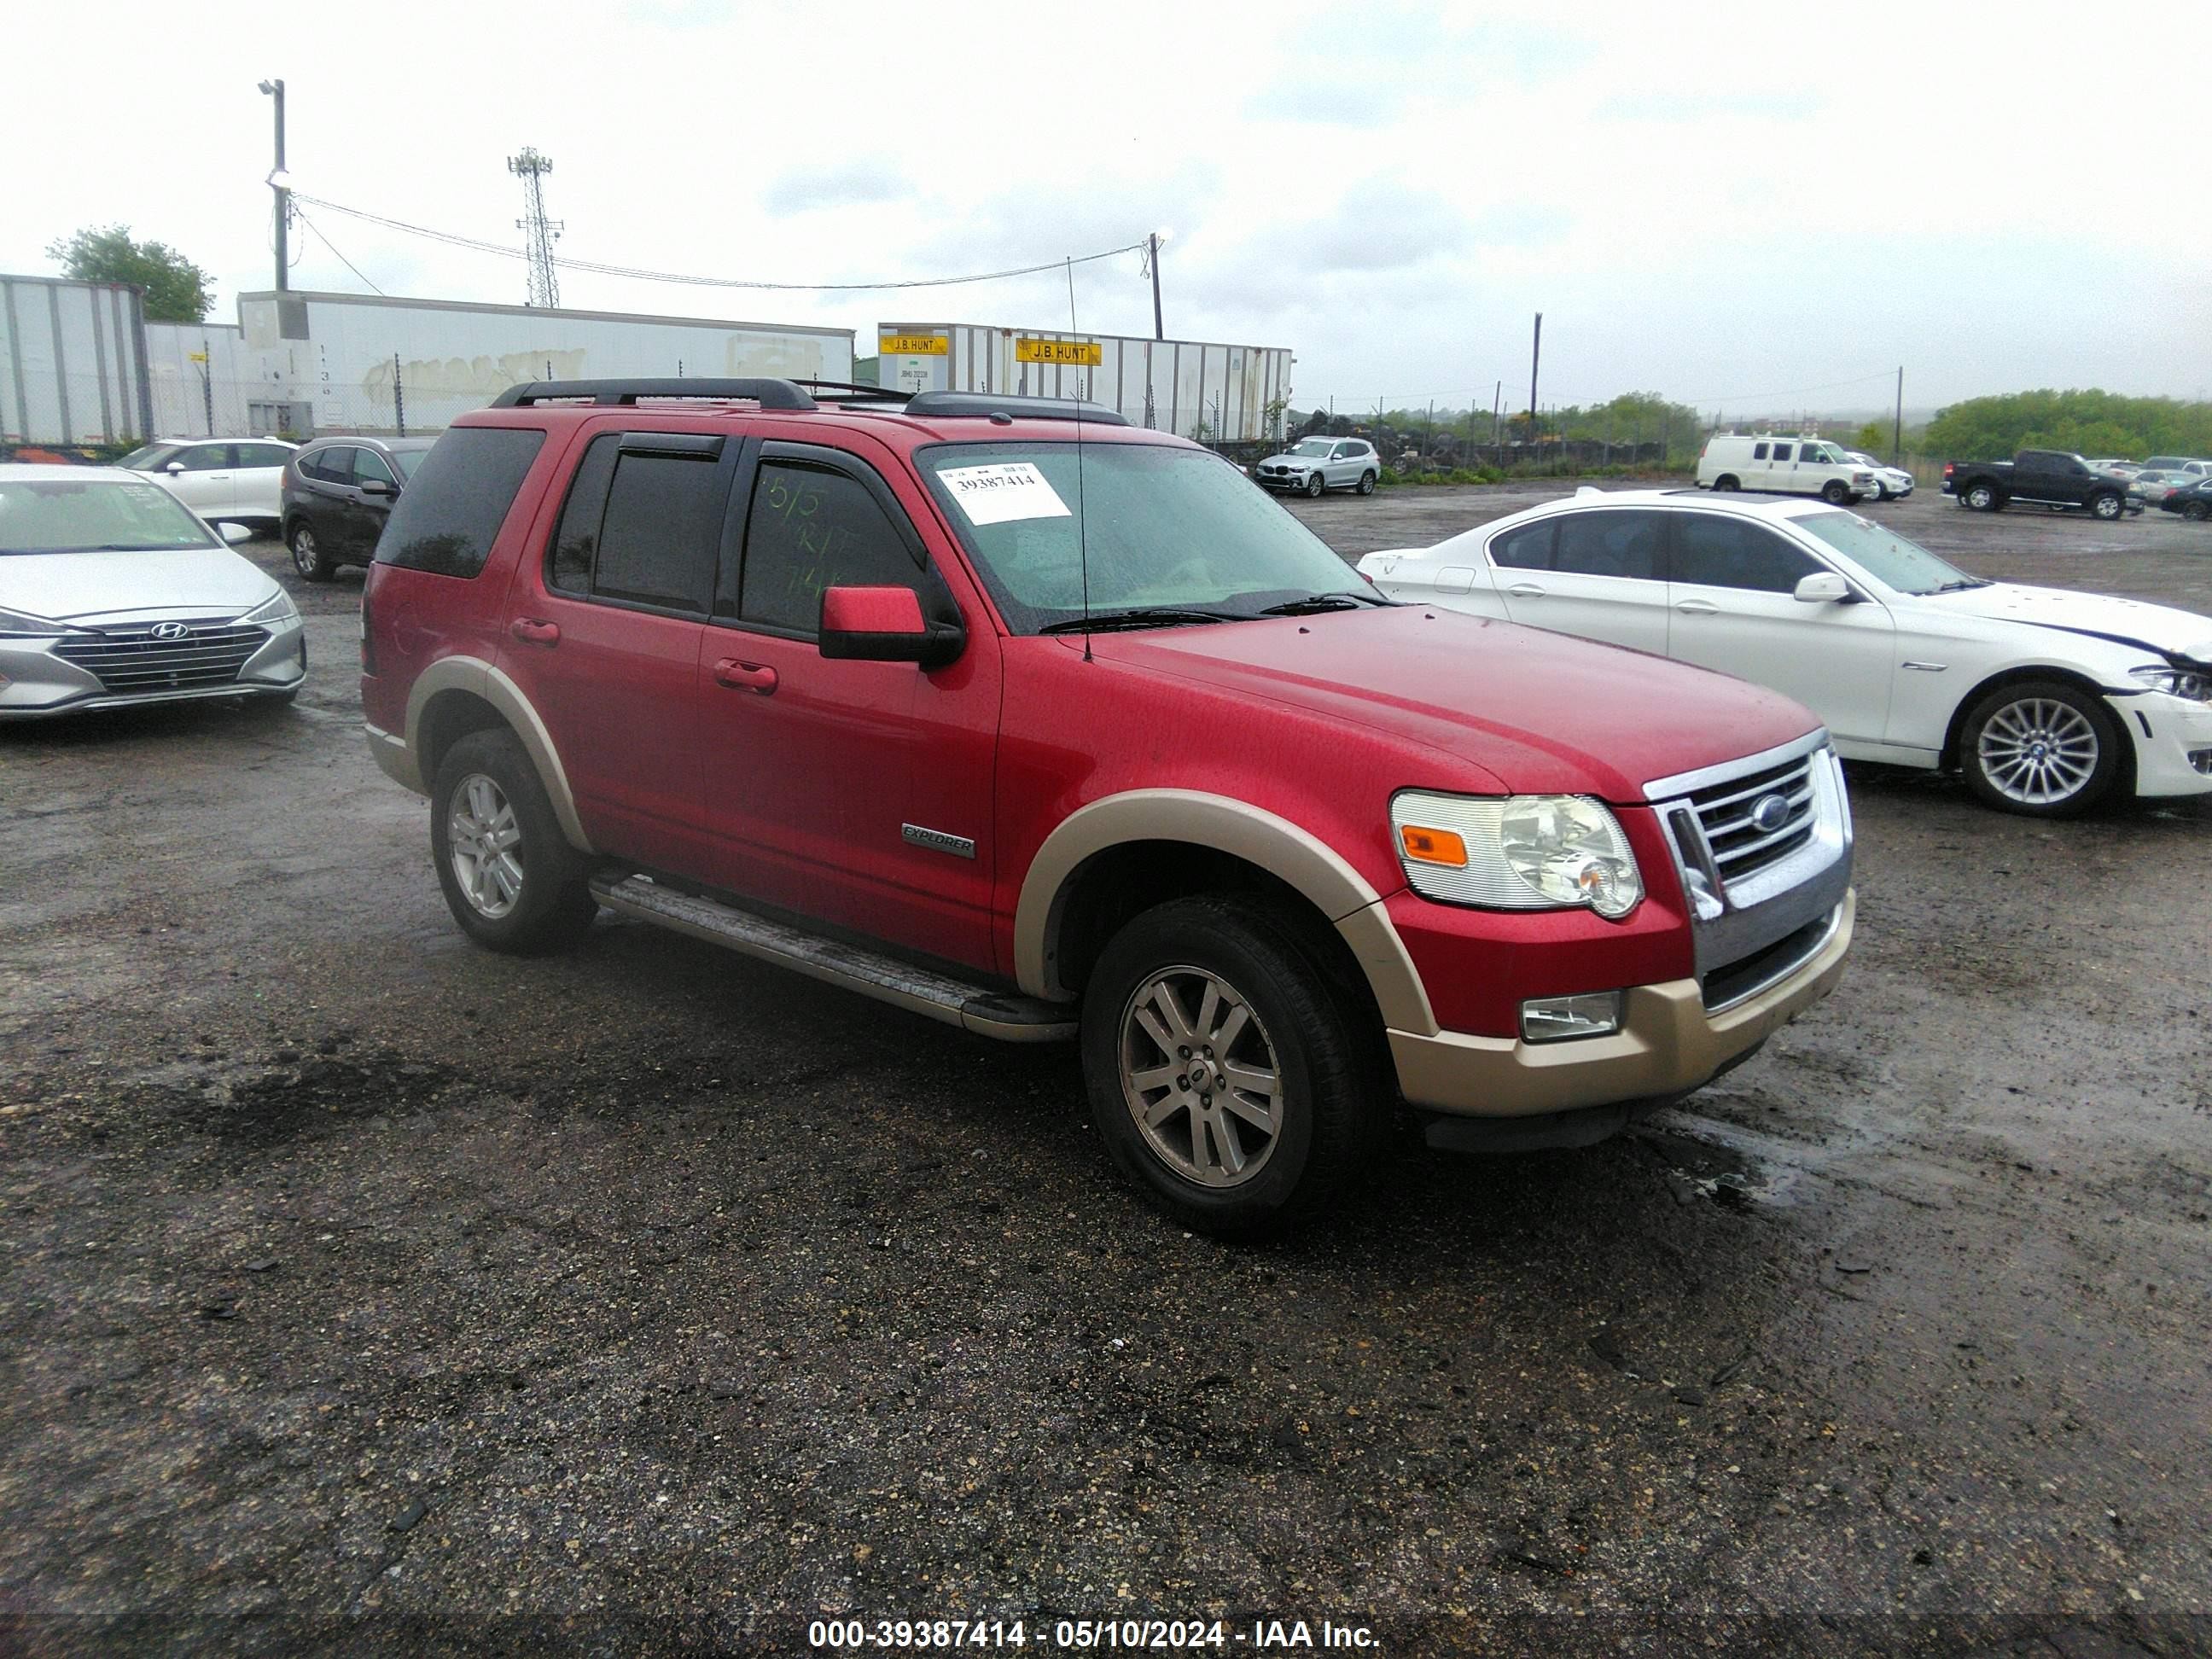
x,y
598,268
333,247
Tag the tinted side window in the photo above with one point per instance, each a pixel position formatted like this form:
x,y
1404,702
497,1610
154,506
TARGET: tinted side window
x,y
1627,545
662,530
813,527
331,466
1782,451
207,457
367,463
1758,452
263,455
1529,548
1717,552
458,499
576,539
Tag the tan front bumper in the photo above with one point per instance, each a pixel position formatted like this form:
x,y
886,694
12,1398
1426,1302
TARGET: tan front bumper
x,y
1668,1045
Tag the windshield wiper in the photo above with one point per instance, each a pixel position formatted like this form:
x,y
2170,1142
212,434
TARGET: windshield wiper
x,y
1105,622
1314,603
1962,583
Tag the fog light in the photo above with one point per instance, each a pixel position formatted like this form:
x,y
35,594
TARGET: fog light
x,y
1560,1019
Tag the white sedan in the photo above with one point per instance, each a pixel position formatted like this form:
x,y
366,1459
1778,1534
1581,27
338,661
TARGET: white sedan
x,y
2047,699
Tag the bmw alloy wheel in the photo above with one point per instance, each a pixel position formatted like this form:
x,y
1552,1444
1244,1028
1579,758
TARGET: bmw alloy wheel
x,y
482,835
1200,1077
2039,751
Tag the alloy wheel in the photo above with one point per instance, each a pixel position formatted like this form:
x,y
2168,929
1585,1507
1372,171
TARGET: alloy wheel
x,y
2037,751
483,841
303,550
1200,1077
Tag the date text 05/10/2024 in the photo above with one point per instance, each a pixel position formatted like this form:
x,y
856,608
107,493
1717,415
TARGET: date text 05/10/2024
x,y
1262,1636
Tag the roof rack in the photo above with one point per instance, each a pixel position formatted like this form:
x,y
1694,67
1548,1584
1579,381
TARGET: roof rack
x,y
849,392
614,394
986,404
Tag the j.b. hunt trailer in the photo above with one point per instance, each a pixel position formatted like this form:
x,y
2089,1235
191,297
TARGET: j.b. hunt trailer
x,y
1200,389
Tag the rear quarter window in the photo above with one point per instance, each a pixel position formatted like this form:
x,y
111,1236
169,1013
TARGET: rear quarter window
x,y
447,517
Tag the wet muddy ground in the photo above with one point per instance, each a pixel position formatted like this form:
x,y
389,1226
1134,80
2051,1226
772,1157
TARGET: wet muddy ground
x,y
361,1289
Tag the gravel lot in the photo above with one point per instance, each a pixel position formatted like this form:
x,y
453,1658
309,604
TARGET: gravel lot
x,y
360,1289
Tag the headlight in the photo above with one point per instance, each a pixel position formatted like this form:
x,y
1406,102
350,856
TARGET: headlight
x,y
1523,853
22,625
277,607
2174,682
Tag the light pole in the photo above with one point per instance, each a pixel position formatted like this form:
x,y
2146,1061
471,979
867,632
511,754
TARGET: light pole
x,y
276,89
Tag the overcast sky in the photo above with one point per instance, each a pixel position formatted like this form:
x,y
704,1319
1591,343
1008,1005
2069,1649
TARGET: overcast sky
x,y
1754,210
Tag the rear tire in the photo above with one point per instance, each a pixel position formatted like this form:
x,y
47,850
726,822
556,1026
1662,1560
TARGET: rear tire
x,y
1367,483
510,878
1981,498
1193,1005
308,556
1727,481
2041,748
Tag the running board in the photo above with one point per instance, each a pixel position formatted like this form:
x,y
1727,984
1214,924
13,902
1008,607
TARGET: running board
x,y
1005,1015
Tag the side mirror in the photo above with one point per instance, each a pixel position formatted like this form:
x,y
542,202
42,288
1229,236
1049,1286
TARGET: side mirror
x,y
234,534
375,487
1825,588
885,624
173,468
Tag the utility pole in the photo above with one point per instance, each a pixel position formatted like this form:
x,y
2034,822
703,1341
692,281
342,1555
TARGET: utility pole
x,y
1152,258
1897,432
1496,414
539,231
207,383
276,89
1535,355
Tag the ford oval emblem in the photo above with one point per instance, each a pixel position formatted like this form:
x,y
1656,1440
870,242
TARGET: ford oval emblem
x,y
1769,813
170,630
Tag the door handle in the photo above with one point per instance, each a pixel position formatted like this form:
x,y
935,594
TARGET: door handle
x,y
745,676
1525,591
531,631
1697,608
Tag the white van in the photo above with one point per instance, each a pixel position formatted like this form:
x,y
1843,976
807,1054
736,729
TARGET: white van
x,y
1784,466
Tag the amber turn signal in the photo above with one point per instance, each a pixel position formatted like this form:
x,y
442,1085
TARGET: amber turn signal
x,y
1433,846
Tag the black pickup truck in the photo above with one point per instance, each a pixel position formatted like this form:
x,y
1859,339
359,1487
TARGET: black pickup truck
x,y
2046,477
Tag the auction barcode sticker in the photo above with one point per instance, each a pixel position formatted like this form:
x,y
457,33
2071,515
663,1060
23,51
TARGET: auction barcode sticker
x,y
1003,492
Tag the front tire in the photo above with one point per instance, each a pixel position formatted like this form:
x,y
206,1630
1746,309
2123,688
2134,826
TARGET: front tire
x,y
2041,748
1313,486
1367,483
509,876
1727,481
308,556
1229,1074
2196,512
2106,505
1835,492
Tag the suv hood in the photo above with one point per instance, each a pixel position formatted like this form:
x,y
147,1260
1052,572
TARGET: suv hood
x,y
1288,459
2159,628
208,581
1541,712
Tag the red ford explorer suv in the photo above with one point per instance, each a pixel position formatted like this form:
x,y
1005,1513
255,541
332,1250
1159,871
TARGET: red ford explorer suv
x,y
1006,713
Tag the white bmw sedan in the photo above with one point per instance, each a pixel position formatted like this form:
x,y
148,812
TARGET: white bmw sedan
x,y
2047,699
112,592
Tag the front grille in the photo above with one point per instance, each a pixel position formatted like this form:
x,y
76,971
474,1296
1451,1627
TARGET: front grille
x,y
133,660
1746,977
1740,847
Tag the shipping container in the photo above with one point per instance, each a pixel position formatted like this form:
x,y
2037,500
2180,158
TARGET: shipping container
x,y
1197,388
72,362
202,381
353,362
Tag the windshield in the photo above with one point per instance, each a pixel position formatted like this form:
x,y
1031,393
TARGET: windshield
x,y
1312,447
148,459
1161,527
61,515
1906,566
408,460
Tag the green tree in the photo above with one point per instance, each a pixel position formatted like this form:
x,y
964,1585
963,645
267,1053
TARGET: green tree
x,y
1872,437
176,289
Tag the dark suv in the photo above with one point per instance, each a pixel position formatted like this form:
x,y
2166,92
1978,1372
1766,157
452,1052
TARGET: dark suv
x,y
338,494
